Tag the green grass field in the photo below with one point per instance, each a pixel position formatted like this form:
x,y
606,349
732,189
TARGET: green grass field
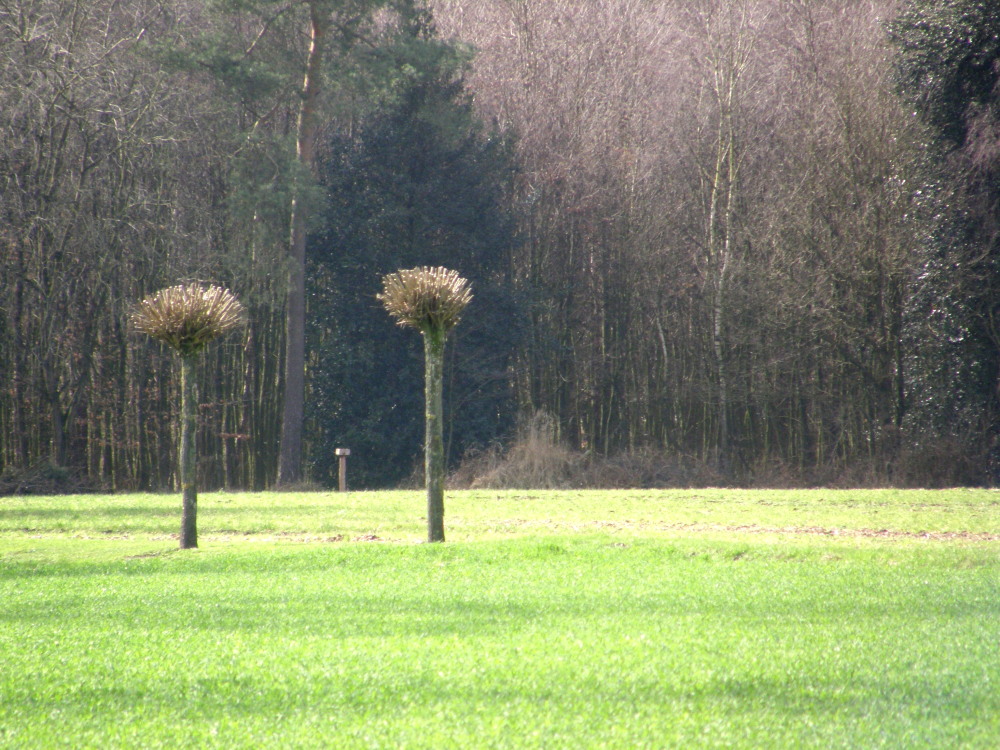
x,y
688,619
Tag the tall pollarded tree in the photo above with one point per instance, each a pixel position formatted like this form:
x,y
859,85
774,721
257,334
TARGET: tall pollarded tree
x,y
187,317
430,300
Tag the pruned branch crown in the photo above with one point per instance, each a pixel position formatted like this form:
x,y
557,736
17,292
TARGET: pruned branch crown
x,y
188,316
428,299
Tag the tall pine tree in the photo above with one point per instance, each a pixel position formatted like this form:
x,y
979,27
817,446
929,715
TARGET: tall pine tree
x,y
422,183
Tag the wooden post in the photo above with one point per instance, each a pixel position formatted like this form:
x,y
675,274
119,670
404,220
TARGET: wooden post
x,y
342,454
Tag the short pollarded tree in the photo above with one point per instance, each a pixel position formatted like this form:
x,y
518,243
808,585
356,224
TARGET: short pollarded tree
x,y
432,301
187,317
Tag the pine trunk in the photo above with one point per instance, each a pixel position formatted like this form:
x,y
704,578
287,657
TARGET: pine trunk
x,y
290,457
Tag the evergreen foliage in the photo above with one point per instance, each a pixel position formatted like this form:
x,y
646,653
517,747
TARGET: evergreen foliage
x,y
949,69
949,52
420,183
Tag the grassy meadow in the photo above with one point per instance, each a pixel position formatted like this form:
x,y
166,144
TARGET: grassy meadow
x,y
628,619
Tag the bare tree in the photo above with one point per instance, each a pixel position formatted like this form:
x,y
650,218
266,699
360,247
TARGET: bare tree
x,y
750,159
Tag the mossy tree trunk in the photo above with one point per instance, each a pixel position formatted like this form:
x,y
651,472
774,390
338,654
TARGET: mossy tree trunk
x,y
430,300
434,432
188,455
187,317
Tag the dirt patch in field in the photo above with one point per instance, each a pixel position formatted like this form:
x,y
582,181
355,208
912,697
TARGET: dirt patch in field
x,y
289,536
653,526
969,536
515,525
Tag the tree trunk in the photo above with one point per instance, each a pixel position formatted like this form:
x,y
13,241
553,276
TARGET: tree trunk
x,y
290,457
434,434
718,349
188,455
19,367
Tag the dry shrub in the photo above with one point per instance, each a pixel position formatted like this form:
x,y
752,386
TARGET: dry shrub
x,y
943,463
42,478
537,460
647,468
776,472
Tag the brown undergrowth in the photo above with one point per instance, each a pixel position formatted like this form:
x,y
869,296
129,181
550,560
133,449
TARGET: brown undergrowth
x,y
538,458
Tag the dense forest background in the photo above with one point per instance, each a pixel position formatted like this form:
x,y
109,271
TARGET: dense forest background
x,y
726,241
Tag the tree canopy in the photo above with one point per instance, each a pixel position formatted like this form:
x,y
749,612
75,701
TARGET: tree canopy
x,y
754,237
420,183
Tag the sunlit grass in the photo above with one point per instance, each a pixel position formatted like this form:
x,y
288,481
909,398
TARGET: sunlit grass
x,y
544,623
399,515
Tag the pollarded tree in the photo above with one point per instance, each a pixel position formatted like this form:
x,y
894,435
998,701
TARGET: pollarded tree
x,y
187,317
430,300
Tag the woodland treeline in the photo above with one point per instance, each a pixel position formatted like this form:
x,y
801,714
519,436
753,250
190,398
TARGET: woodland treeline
x,y
757,237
